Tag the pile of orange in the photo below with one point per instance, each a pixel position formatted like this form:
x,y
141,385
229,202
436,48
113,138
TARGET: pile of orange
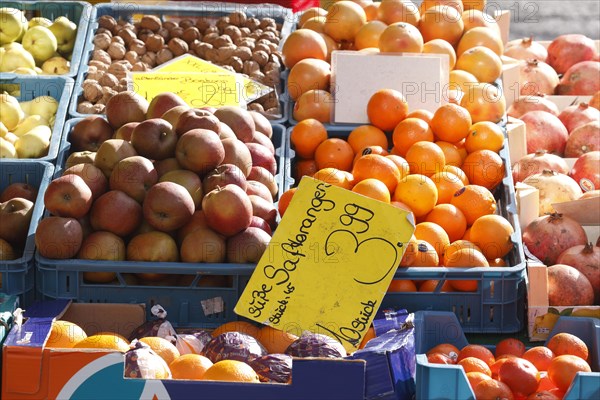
x,y
461,30
440,166
516,373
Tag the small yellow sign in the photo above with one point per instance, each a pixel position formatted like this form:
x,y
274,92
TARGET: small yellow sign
x,y
329,263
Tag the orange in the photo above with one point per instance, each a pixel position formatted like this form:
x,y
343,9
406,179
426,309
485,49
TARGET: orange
x,y
474,201
368,35
309,13
112,342
543,395
475,377
275,340
304,168
284,200
466,258
402,285
367,135
418,192
411,248
314,103
485,102
433,234
521,376
477,351
425,256
189,366
452,154
562,370
401,164
458,172
309,73
482,62
425,158
334,177
481,36
316,24
65,334
492,389
484,167
421,113
442,22
467,235
492,235
540,356
373,188
438,358
165,349
401,37
450,219
447,349
451,123
440,46
370,334
461,80
306,136
446,184
472,364
497,262
431,284
370,150
301,44
458,245
496,366
566,343
545,381
230,371
410,131
334,153
510,346
484,135
378,167
237,326
386,108
460,146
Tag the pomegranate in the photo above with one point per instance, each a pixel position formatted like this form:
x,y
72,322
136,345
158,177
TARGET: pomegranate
x,y
586,259
595,101
567,50
580,80
576,115
537,77
546,237
537,162
590,194
524,104
545,132
583,139
568,287
586,171
526,49
554,188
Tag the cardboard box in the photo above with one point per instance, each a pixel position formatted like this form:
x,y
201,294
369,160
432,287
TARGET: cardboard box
x,y
37,372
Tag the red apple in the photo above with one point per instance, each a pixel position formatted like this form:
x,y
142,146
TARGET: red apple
x,y
58,237
133,176
239,120
262,124
264,209
258,222
102,245
260,174
259,189
80,157
189,180
116,212
196,119
163,102
166,165
126,107
168,206
247,246
15,217
90,133
198,220
19,189
203,246
111,152
68,196
152,246
263,140
224,174
92,176
154,139
174,113
200,150
125,131
7,252
226,132
262,157
238,154
228,209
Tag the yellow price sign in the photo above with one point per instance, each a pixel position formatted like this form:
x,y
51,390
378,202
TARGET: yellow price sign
x,y
329,263
197,89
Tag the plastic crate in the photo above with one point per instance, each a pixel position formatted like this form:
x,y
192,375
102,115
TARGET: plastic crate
x,y
132,10
78,12
186,304
30,87
437,381
498,305
17,276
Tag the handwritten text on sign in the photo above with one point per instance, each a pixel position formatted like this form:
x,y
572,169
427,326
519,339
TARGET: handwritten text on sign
x,y
328,264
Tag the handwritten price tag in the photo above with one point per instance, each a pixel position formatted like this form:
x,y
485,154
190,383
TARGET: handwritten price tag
x,y
328,264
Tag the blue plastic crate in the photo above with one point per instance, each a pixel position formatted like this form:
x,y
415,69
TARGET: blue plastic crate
x,y
130,11
78,12
498,305
188,303
30,87
440,381
17,276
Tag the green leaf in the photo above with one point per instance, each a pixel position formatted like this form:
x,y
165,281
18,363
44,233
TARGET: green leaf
x,y
552,310
566,312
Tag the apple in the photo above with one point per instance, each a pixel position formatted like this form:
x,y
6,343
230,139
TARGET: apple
x,y
199,150
68,196
125,131
198,220
225,132
239,120
203,245
189,180
260,174
116,212
162,103
196,119
89,133
152,246
154,139
7,252
223,175
19,189
264,141
14,23
168,206
112,151
133,176
14,56
93,177
262,124
40,42
86,225
238,154
166,165
80,157
173,114
247,246
258,189
56,66
126,107
264,209
258,222
262,157
15,217
58,237
65,32
228,209
102,245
